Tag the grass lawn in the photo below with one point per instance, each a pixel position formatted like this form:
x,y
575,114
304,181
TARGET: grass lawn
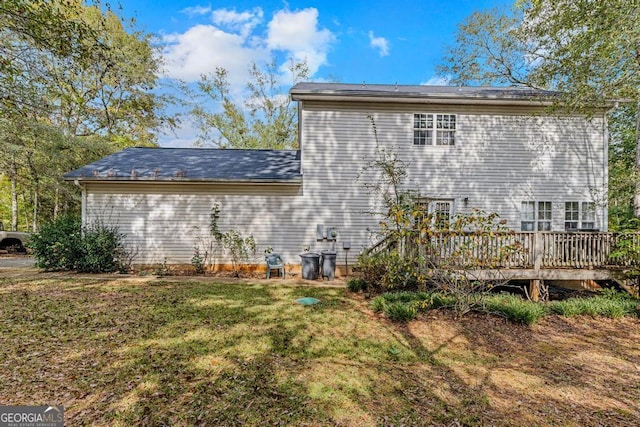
x,y
141,351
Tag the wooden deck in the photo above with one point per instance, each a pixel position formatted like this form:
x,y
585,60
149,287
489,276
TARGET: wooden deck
x,y
533,256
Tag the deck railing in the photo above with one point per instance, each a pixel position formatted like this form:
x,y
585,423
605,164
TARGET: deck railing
x,y
531,250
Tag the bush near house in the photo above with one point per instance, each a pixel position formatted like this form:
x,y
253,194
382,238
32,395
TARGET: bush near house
x,y
63,244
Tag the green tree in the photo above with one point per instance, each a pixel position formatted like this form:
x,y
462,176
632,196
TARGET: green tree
x,y
586,50
266,118
77,83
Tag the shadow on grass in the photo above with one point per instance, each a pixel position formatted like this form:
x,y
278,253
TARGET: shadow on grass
x,y
165,353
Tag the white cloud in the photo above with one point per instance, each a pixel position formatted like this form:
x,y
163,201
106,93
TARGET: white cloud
x,y
186,136
202,48
297,34
379,43
196,10
437,81
235,40
244,22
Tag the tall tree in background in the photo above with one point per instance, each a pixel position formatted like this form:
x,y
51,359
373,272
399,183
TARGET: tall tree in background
x,y
587,50
76,84
266,118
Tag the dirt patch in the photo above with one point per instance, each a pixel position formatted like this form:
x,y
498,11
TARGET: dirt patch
x,y
16,261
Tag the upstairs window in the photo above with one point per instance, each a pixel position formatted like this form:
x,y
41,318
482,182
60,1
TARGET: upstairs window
x,y
535,216
434,129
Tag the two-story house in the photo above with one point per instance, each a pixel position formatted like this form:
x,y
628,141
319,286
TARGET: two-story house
x,y
496,149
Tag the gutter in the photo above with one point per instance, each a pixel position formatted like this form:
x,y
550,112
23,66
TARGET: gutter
x,y
150,180
408,99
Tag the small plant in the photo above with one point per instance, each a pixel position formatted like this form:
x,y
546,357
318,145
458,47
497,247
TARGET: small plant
x,y
163,269
240,248
356,285
197,261
609,304
379,303
513,307
401,311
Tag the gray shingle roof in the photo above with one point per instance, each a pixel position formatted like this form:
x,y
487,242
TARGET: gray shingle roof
x,y
302,90
193,164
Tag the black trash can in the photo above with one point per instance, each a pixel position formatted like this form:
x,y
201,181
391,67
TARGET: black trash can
x,y
310,265
328,264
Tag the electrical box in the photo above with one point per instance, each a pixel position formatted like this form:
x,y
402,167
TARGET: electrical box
x,y
346,245
332,233
320,233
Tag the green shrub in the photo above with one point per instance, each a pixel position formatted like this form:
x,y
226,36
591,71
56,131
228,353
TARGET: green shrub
x,y
515,308
372,268
62,245
378,303
197,261
58,245
400,272
404,296
356,285
609,304
568,308
102,250
401,311
439,299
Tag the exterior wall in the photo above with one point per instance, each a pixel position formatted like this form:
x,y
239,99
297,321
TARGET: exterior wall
x,y
502,156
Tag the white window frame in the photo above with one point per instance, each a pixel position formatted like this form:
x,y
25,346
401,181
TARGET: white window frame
x,y
583,215
434,129
433,206
536,215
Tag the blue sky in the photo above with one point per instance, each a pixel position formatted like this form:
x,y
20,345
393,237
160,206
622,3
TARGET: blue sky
x,y
348,41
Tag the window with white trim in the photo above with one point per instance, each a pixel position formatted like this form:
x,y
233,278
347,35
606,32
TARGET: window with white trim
x,y
536,216
579,215
544,216
434,129
440,211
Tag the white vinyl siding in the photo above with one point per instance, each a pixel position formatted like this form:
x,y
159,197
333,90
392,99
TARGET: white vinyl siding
x,y
502,156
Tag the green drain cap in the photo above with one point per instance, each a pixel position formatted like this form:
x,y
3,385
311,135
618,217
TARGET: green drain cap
x,y
307,301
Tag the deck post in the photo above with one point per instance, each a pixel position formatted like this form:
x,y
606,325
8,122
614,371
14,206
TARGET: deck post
x,y
538,250
534,290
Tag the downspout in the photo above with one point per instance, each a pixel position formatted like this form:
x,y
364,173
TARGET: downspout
x,y
300,138
83,199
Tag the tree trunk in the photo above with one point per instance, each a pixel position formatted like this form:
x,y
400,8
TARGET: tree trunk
x,y
636,196
34,225
56,205
14,196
